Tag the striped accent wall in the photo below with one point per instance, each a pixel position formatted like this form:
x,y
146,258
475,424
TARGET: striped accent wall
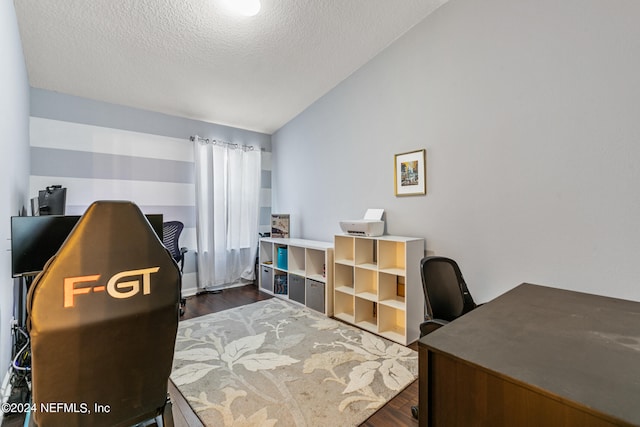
x,y
265,194
100,163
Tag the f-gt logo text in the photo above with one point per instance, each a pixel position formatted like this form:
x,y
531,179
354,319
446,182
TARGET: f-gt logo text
x,y
115,288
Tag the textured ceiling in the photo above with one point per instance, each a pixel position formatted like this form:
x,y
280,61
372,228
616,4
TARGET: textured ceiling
x,y
190,58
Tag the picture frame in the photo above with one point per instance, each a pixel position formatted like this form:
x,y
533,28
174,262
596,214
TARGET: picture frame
x,y
280,225
410,173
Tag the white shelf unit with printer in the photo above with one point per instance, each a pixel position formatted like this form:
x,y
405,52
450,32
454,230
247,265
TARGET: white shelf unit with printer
x,y
377,285
298,270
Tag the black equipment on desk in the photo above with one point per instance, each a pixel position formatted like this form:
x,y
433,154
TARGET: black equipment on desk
x,y
52,200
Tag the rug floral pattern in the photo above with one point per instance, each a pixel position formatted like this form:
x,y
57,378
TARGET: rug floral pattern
x,y
275,363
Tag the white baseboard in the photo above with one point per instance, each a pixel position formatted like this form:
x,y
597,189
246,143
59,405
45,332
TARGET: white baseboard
x,y
189,284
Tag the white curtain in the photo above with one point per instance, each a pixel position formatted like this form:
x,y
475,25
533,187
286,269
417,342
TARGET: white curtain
x,y
227,209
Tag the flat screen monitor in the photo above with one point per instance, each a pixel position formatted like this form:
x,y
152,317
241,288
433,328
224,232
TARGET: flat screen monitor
x,y
35,239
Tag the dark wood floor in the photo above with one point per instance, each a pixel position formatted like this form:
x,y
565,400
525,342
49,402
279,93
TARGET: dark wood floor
x,y
396,413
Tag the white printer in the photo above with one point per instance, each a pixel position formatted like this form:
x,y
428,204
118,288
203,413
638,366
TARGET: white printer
x,y
371,225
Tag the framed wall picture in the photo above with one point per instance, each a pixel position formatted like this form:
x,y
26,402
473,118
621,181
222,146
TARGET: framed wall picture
x,y
410,173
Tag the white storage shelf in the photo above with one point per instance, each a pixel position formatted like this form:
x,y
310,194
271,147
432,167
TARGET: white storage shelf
x,y
378,286
307,268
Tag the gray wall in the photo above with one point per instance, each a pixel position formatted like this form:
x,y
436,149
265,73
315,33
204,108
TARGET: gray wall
x,y
105,151
529,114
14,161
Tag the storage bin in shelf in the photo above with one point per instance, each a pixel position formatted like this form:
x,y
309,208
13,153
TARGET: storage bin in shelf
x,y
391,256
315,265
297,288
296,263
392,323
343,250
343,307
281,285
366,284
282,258
391,290
315,295
365,253
366,314
266,278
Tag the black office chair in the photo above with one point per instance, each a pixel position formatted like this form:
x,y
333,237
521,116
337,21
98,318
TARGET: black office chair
x,y
103,317
446,295
170,236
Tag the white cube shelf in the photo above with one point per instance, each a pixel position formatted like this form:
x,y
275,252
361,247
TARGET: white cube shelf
x,y
378,286
308,272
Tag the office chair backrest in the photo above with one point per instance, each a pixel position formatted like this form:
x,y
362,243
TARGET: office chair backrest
x,y
170,235
445,290
103,316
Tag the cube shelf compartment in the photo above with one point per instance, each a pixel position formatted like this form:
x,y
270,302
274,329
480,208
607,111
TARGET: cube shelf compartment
x,y
343,247
393,323
391,290
343,307
316,264
296,261
378,286
343,278
366,284
392,257
365,254
366,314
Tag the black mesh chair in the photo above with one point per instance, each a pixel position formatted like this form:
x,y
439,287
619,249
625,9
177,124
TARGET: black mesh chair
x,y
446,295
170,235
445,292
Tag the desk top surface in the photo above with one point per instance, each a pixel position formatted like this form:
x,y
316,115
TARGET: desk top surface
x,y
580,347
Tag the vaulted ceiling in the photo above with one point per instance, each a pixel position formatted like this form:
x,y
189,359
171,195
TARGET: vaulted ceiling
x,y
194,59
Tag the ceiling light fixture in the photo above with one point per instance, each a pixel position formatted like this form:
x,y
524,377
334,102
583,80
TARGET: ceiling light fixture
x,y
243,7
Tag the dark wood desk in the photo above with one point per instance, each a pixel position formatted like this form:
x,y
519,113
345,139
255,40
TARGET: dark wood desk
x,y
535,356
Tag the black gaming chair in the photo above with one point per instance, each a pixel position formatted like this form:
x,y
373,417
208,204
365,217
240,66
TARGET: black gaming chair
x,y
171,235
446,295
103,317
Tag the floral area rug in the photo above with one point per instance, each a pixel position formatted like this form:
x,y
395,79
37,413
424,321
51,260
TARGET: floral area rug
x,y
275,363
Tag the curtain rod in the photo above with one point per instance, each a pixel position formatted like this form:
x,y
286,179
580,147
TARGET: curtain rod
x,y
219,142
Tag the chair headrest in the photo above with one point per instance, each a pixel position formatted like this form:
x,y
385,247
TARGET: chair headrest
x,y
111,265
